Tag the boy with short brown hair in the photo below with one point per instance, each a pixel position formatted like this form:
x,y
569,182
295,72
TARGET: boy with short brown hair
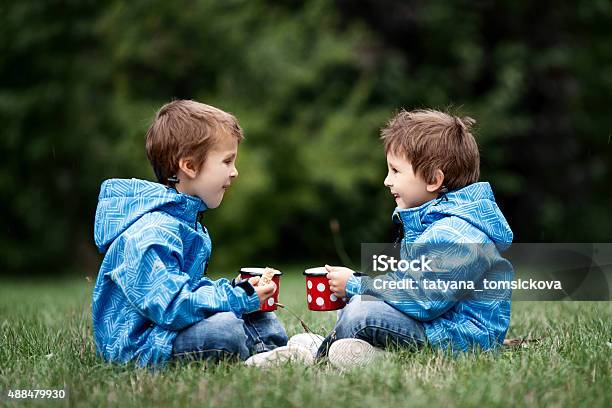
x,y
433,169
152,300
432,140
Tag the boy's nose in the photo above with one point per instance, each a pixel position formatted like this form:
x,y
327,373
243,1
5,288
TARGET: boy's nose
x,y
234,173
387,182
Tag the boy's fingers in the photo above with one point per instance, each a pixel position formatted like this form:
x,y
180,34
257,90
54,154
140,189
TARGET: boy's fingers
x,y
270,288
254,280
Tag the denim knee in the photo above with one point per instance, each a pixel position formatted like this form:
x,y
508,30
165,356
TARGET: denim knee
x,y
218,336
379,323
352,318
228,334
272,331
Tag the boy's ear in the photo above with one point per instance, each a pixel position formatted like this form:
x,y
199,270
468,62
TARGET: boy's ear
x,y
187,167
438,181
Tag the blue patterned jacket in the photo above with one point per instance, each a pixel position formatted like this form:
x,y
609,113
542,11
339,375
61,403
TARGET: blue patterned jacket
x,y
471,229
151,282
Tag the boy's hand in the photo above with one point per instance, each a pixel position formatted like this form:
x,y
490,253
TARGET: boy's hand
x,y
338,276
263,292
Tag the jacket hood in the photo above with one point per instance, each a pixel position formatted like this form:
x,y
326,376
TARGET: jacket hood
x,y
474,203
123,201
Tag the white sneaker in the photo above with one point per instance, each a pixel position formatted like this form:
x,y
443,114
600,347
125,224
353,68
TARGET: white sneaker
x,y
309,340
345,353
281,355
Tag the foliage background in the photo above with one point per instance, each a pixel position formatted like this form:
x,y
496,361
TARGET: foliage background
x,y
311,82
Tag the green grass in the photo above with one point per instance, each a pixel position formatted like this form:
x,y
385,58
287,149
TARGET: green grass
x,y
46,343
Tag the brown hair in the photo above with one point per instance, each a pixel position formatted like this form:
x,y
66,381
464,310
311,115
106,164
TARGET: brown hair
x,y
185,128
432,140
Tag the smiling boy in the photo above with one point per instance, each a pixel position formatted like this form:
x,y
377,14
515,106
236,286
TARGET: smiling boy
x,y
433,168
152,301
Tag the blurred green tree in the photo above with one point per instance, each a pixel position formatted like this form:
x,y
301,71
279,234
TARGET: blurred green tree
x,y
311,82
53,106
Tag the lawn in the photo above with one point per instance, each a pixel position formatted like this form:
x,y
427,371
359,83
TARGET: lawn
x,y
46,343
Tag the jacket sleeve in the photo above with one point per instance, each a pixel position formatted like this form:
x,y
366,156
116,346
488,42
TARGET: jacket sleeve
x,y
152,281
454,260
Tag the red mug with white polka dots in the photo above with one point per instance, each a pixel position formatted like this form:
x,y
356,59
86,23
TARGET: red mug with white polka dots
x,y
270,304
318,294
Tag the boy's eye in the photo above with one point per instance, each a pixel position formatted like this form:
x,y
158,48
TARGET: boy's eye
x,y
393,169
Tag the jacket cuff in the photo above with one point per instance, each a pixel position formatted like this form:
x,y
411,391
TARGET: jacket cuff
x,y
246,286
248,303
353,286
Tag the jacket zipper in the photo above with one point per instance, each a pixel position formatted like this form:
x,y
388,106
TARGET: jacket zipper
x,y
400,234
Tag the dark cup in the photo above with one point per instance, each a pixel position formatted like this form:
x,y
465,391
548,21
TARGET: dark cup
x,y
319,296
270,304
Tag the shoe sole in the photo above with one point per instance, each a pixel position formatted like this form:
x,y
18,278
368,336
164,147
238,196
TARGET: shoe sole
x,y
346,353
281,355
309,340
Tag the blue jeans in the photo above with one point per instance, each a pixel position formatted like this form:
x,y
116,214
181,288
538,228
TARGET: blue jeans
x,y
376,322
224,336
